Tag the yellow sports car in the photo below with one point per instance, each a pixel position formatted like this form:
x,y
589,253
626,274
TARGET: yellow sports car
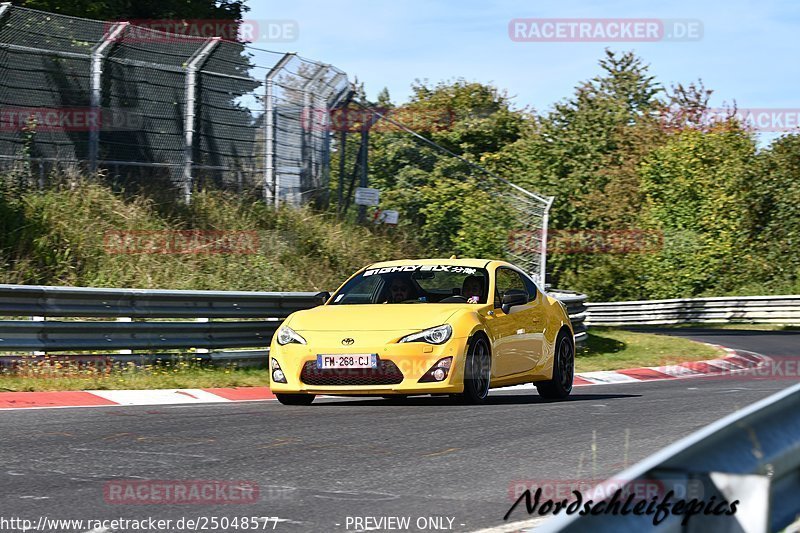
x,y
431,326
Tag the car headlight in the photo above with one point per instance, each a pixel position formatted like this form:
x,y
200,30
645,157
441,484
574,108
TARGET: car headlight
x,y
286,335
437,335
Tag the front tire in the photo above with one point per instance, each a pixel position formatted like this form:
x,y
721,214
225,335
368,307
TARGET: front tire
x,y
295,399
477,372
560,386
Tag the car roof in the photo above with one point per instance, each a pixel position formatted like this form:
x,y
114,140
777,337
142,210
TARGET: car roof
x,y
470,262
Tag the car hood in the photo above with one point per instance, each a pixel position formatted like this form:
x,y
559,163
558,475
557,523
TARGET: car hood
x,y
373,317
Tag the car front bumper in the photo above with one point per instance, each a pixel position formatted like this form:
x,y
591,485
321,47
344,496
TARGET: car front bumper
x,y
410,362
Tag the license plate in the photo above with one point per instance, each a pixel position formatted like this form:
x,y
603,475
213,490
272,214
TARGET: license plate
x,y
349,360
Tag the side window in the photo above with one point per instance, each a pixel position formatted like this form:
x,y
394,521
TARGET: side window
x,y
531,286
506,281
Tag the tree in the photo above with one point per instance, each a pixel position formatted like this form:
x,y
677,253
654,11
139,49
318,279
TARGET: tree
x,y
774,215
141,9
455,208
697,187
586,153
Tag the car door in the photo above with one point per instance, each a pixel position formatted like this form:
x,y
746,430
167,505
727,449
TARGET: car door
x,y
518,345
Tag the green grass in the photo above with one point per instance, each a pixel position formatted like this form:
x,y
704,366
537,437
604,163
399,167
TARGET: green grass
x,y
53,376
612,349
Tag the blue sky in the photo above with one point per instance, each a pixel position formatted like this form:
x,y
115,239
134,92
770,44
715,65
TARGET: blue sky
x,y
749,51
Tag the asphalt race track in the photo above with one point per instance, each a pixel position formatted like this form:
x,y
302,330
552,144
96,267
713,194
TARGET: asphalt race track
x,y
316,466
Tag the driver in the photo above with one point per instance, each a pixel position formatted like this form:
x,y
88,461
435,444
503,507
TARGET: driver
x,y
399,290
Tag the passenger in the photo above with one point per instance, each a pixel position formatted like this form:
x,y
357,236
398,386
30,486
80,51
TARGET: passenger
x,y
472,289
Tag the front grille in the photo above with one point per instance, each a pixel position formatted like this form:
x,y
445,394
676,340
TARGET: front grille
x,y
387,373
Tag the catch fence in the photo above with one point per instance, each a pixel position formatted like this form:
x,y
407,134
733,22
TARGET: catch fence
x,y
161,108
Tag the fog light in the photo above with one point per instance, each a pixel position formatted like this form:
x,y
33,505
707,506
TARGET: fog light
x,y
277,373
437,372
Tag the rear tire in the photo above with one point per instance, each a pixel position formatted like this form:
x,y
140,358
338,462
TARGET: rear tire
x,y
295,399
560,386
477,372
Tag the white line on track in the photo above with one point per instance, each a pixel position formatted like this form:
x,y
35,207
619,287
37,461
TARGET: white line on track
x,y
513,527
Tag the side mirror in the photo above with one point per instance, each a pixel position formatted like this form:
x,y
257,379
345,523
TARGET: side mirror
x,y
324,296
515,298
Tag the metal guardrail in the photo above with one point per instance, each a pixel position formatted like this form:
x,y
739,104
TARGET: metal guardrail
x,y
269,308
752,456
576,308
105,361
729,310
17,300
54,336
264,311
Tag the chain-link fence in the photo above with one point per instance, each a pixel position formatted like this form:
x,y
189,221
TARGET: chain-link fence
x,y
484,213
147,106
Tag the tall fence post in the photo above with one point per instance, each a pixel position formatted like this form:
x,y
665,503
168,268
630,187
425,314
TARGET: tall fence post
x,y
342,157
343,125
270,175
364,176
193,65
543,256
307,152
330,100
96,95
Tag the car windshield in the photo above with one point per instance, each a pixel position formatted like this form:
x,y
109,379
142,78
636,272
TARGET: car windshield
x,y
416,284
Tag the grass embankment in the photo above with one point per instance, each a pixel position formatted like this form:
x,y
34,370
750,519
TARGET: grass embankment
x,y
60,236
606,349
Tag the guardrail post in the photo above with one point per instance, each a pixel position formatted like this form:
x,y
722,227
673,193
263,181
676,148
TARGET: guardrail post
x,y
193,65
125,319
38,319
96,95
271,192
202,350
